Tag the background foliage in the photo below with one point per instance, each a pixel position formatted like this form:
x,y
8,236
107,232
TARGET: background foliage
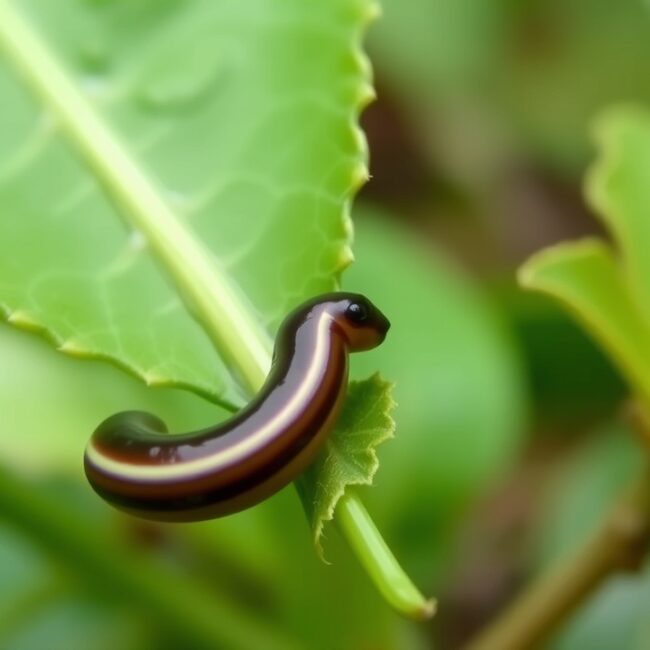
x,y
507,447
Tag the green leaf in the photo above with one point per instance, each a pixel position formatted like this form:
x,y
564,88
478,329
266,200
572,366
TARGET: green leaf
x,y
230,166
618,187
571,376
607,290
350,457
224,192
585,277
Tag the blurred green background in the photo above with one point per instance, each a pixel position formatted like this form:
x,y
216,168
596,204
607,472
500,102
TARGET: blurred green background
x,y
508,444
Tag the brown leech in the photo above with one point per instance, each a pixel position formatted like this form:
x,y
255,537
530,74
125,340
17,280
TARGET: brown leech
x,y
133,463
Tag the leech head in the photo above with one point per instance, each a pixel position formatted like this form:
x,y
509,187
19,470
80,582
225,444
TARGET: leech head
x,y
362,324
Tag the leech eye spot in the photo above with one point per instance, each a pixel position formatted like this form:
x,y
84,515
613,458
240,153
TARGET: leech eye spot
x,y
357,312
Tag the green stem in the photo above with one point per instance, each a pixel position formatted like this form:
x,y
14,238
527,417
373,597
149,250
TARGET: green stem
x,y
205,287
378,560
196,617
619,545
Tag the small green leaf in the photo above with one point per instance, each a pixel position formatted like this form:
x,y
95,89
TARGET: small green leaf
x,y
585,277
350,457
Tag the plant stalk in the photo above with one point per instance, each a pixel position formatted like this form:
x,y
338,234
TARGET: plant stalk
x,y
619,545
378,560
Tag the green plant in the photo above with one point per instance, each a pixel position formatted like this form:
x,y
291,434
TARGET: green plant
x,y
176,175
184,205
605,286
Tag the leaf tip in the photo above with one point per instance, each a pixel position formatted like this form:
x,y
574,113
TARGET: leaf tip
x,y
365,95
531,274
428,609
359,174
317,538
154,379
371,11
73,348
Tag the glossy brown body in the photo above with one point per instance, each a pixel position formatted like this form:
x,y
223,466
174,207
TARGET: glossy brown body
x,y
310,361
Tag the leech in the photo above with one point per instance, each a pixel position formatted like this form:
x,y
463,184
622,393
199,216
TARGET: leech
x,y
134,464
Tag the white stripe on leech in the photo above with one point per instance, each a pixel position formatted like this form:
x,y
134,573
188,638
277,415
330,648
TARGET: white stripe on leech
x,y
236,452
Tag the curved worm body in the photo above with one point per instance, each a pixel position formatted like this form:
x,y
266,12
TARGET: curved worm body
x,y
133,463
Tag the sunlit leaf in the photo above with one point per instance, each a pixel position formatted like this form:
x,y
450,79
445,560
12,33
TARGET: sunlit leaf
x,y
251,147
